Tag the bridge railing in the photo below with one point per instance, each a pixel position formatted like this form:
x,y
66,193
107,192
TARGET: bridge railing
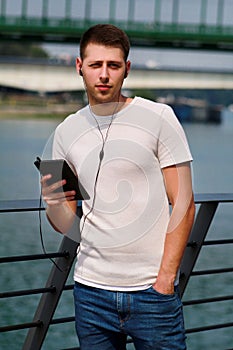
x,y
56,283
150,29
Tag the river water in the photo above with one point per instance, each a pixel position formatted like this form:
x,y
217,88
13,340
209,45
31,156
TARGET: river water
x,y
20,142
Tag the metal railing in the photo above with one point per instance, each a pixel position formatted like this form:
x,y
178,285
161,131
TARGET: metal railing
x,y
68,27
56,282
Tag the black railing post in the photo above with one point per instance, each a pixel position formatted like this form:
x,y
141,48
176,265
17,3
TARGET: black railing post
x,y
49,301
202,223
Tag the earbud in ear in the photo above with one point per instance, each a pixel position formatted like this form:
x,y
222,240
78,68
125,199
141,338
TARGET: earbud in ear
x,y
80,72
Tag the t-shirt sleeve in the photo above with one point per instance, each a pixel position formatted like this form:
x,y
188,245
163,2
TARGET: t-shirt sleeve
x,y
61,144
58,145
173,147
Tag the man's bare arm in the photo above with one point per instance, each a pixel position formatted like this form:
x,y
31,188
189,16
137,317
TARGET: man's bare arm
x,y
178,185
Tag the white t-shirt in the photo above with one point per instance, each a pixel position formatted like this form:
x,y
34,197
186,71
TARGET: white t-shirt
x,y
123,236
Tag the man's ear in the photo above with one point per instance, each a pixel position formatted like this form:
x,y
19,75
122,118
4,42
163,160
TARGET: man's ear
x,y
79,66
127,68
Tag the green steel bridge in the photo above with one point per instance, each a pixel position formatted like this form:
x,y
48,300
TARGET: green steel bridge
x,y
191,24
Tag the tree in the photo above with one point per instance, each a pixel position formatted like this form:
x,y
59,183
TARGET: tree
x,y
22,50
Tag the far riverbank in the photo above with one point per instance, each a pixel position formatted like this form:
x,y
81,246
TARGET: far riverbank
x,y
37,112
36,106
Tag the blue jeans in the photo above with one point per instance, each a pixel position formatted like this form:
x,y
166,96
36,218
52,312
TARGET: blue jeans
x,y
105,318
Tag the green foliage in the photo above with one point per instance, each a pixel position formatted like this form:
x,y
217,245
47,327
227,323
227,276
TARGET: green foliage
x,y
145,93
22,50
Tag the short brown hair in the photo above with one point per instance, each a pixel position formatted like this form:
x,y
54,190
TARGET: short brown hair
x,y
107,35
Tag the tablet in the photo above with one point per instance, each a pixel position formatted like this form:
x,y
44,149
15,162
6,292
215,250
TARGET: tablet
x,y
60,170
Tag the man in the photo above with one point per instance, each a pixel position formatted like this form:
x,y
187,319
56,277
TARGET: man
x,y
132,157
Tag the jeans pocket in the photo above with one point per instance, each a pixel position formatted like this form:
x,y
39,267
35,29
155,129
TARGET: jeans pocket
x,y
168,296
164,305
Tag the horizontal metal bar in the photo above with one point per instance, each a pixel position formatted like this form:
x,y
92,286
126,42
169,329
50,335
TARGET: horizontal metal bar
x,y
211,272
34,204
213,197
209,328
17,327
194,244
68,287
21,258
19,293
207,300
9,206
218,242
63,320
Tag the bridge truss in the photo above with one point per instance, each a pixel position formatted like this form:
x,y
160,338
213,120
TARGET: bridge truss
x,y
158,28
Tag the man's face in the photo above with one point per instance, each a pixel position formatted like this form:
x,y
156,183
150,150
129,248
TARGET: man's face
x,y
103,70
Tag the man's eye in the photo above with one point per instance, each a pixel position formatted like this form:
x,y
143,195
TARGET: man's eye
x,y
114,65
95,65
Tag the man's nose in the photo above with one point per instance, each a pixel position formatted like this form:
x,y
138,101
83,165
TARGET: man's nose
x,y
104,75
